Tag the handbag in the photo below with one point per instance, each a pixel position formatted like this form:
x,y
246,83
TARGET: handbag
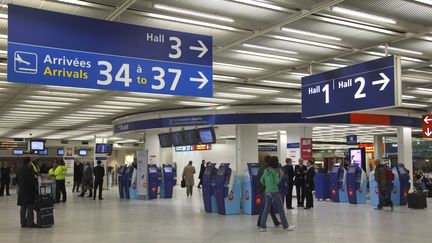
x,y
183,183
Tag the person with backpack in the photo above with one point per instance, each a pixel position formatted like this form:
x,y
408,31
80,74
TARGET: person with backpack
x,y
384,178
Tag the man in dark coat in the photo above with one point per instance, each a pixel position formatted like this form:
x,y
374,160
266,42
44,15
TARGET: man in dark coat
x,y
309,184
78,175
27,193
87,183
300,171
99,173
289,173
5,179
201,173
382,183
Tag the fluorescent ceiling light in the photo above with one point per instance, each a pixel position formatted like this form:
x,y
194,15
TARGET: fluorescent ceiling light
x,y
233,95
123,103
288,100
299,74
88,115
342,60
408,97
429,2
3,52
238,66
217,100
424,89
29,112
137,99
267,133
281,83
92,110
307,42
258,90
77,118
263,4
301,32
77,2
72,89
411,59
33,107
151,95
259,54
333,64
192,103
4,5
269,49
190,21
363,26
413,104
3,36
224,77
39,102
40,97
401,50
193,13
112,107
3,64
57,93
419,71
3,16
363,15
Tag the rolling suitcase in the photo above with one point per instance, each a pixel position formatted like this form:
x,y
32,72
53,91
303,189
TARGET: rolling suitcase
x,y
44,207
417,200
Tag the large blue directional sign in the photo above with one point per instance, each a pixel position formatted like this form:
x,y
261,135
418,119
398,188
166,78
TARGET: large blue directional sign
x,y
59,49
369,85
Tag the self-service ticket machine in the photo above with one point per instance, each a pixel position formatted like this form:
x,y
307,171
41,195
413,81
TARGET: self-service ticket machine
x,y
356,185
401,185
227,190
127,180
166,188
322,187
133,192
251,198
153,181
208,188
338,185
120,182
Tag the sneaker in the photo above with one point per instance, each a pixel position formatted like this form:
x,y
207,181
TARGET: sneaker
x,y
278,225
263,230
290,228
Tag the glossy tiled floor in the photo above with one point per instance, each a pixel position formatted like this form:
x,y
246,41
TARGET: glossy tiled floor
x,y
181,219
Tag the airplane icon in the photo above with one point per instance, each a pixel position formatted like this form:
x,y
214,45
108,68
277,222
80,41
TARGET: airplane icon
x,y
25,62
19,59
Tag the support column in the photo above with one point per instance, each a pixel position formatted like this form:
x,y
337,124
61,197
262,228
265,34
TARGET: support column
x,y
378,151
151,144
246,146
294,134
404,136
282,146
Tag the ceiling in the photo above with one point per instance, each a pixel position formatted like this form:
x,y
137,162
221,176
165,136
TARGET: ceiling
x,y
261,51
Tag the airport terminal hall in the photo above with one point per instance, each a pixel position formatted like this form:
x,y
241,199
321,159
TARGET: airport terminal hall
x,y
215,121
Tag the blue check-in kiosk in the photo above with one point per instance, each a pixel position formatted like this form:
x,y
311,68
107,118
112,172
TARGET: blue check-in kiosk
x,y
127,180
133,191
167,185
208,188
227,190
401,184
322,187
251,198
356,185
120,181
153,181
337,183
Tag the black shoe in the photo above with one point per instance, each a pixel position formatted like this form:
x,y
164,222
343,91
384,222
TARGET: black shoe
x,y
80,195
23,226
32,226
290,208
307,208
100,198
94,198
8,194
63,201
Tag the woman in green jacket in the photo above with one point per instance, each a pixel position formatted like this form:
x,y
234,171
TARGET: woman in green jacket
x,y
271,179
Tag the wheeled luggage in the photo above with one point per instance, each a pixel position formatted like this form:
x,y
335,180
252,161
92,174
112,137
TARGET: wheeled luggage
x,y
44,207
417,200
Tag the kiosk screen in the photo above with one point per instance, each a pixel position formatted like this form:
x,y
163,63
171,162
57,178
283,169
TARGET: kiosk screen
x,y
168,169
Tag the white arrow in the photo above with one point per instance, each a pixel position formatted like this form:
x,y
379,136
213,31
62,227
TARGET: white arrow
x,y
203,80
383,81
202,48
427,120
428,132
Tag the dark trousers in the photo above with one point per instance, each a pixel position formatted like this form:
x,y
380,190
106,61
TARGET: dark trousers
x,y
76,185
60,188
84,190
26,215
200,183
189,190
4,184
288,197
98,184
309,197
272,215
300,190
385,196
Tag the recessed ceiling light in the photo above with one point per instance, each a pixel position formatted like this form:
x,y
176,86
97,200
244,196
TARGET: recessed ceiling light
x,y
301,32
77,2
429,2
217,100
260,54
269,49
233,95
287,100
3,16
413,104
237,66
286,84
307,42
224,77
298,74
119,103
40,97
40,102
48,107
193,13
193,103
263,4
113,107
408,97
257,90
351,12
333,64
401,50
356,24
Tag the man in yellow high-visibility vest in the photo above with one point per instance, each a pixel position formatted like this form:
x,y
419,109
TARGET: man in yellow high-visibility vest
x,y
60,175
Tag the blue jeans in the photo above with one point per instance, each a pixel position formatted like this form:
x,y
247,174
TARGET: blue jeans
x,y
273,198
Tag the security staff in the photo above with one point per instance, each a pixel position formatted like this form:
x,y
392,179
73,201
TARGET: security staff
x,y
300,171
309,184
290,174
60,176
99,173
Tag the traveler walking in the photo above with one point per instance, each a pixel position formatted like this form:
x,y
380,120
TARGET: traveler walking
x,y
188,176
87,183
27,193
78,174
201,173
99,173
5,179
383,177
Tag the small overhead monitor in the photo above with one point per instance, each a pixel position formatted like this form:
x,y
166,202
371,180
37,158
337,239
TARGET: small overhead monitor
x,y
165,140
207,135
191,137
43,152
37,145
60,151
18,152
82,152
178,139
104,148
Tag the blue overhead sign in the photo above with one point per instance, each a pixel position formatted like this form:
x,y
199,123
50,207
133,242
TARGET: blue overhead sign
x,y
369,85
351,139
65,50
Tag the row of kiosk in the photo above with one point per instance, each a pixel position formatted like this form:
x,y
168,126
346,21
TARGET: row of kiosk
x,y
160,181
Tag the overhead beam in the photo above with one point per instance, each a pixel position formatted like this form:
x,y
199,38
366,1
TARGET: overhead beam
x,y
120,9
